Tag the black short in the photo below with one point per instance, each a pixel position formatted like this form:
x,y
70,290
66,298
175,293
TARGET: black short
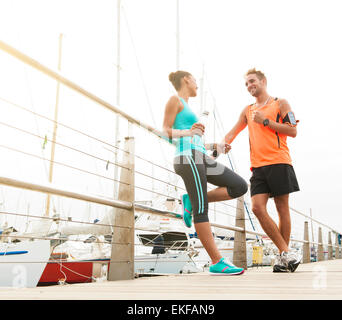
x,y
275,179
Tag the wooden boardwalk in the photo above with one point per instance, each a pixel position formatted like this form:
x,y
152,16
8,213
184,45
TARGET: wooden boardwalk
x,y
319,280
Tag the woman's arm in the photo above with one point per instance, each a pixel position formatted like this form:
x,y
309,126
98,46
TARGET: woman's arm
x,y
172,108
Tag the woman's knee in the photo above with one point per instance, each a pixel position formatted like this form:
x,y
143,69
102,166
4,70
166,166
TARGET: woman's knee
x,y
238,190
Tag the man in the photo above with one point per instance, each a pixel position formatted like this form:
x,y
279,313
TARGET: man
x,y
270,120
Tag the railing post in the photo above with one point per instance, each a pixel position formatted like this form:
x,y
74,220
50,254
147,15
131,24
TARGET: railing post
x,y
320,255
240,252
330,248
337,247
306,245
122,256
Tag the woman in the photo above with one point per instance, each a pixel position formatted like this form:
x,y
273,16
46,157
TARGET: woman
x,y
196,168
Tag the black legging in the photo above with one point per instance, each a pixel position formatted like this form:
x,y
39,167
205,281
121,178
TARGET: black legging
x,y
198,169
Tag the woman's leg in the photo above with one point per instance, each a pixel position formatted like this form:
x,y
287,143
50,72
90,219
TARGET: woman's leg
x,y
230,185
206,237
193,174
218,194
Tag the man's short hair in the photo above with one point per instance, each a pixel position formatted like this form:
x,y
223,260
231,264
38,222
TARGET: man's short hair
x,y
258,73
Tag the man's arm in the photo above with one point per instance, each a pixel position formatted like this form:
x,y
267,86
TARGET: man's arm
x,y
283,128
239,126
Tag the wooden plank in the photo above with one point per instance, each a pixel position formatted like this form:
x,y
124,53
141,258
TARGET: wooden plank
x,y
314,281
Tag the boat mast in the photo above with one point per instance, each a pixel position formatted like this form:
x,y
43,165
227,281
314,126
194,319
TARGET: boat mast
x,y
53,145
118,50
201,90
177,37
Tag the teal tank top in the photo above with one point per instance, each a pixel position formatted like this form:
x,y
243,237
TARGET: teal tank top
x,y
184,120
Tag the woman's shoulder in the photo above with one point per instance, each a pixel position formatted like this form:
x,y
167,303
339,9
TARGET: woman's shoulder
x,y
175,99
176,102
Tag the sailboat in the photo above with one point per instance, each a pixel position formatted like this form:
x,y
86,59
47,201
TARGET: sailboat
x,y
88,259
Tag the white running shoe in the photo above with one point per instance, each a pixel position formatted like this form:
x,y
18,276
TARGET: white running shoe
x,y
279,265
291,260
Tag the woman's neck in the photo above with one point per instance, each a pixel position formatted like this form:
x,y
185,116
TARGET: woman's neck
x,y
183,94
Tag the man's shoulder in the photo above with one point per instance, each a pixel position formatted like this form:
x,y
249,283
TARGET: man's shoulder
x,y
246,108
284,105
281,101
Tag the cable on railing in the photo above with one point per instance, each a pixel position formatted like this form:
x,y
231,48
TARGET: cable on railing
x,y
74,149
59,219
106,242
64,125
20,236
156,179
62,164
63,145
59,77
312,219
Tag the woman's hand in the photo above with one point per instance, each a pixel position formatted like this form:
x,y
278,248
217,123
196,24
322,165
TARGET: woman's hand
x,y
197,129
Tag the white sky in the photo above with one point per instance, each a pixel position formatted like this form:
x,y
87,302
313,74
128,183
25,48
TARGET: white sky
x,y
296,43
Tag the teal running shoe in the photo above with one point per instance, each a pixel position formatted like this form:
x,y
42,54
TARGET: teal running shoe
x,y
225,267
187,210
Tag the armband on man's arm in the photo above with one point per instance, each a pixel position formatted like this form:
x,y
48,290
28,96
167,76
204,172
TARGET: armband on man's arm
x,y
290,119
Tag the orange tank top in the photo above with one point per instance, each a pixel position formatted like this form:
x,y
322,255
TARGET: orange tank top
x,y
267,146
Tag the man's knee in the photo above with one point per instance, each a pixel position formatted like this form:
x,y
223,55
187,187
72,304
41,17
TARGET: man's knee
x,y
259,210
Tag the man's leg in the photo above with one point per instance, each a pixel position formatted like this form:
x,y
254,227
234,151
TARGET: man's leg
x,y
282,205
259,203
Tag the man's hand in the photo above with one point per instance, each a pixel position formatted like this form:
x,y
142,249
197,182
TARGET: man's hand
x,y
258,116
223,148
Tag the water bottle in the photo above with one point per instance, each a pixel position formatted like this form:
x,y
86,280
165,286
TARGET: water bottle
x,y
203,119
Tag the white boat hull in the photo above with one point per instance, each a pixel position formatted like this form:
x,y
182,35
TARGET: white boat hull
x,y
22,264
161,263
